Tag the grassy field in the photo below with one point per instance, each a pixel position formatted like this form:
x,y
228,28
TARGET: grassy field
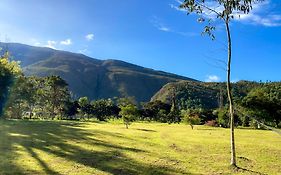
x,y
60,147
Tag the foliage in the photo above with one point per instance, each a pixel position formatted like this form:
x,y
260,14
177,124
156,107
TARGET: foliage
x,y
72,109
58,95
84,106
208,96
22,97
191,117
125,101
9,70
264,103
155,111
104,108
129,114
174,116
223,118
33,97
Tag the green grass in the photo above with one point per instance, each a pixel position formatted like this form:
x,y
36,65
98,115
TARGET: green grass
x,y
61,147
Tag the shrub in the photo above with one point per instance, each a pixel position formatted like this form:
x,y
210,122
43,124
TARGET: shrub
x,y
212,123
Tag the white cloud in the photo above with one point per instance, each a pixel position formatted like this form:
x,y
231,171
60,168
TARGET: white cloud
x,y
258,17
83,51
90,37
267,20
37,44
34,42
164,29
156,22
66,42
176,7
235,80
212,78
51,44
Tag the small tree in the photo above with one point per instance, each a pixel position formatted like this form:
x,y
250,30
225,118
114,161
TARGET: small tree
x,y
191,118
129,114
224,10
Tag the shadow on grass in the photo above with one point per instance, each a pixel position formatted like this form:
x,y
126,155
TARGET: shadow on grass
x,y
62,139
207,129
238,169
146,130
243,170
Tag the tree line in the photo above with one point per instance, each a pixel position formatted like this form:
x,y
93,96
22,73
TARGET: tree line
x,y
49,98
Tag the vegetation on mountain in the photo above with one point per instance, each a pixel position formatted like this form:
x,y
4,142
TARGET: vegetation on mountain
x,y
96,79
264,103
252,99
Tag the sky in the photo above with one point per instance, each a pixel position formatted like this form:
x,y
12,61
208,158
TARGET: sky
x,y
150,33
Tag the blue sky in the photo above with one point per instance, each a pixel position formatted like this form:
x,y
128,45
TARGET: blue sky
x,y
154,34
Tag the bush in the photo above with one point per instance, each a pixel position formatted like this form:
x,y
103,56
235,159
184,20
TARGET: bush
x,y
212,123
223,118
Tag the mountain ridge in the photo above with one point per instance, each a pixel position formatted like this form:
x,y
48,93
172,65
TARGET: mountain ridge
x,y
92,77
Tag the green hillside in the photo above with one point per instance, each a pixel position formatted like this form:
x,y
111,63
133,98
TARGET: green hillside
x,y
207,95
92,77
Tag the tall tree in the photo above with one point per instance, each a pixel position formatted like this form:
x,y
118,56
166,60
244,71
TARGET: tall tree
x,y
9,70
22,97
224,10
101,108
58,95
85,107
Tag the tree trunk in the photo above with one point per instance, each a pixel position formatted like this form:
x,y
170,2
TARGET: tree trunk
x,y
230,99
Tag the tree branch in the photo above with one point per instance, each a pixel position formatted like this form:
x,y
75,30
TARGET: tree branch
x,y
208,8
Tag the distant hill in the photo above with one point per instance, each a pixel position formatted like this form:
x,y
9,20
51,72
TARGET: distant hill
x,y
92,77
206,95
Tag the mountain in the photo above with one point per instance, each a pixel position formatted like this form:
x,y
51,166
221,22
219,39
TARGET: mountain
x,y
92,77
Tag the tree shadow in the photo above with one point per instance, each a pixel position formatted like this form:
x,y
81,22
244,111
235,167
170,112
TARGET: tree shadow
x,y
145,130
53,138
243,170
